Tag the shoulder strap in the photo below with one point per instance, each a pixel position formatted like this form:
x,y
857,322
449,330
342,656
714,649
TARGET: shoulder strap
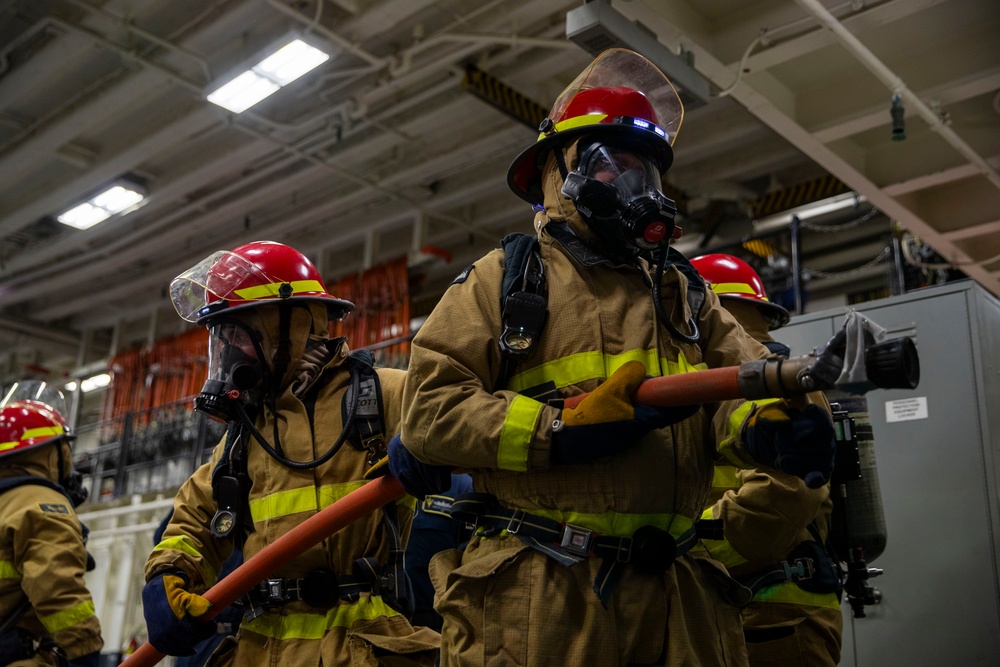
x,y
366,432
523,301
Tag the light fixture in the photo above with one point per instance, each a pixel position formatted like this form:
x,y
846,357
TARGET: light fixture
x,y
90,384
272,73
115,199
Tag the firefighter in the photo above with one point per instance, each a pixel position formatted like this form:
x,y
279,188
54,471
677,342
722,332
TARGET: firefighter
x,y
585,516
774,526
305,420
46,612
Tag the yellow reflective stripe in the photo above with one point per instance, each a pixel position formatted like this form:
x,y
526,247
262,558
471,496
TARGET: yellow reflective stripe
x,y
67,617
517,433
737,420
315,626
595,365
734,288
264,291
724,478
8,571
31,434
42,431
186,545
790,593
619,524
724,552
307,499
577,121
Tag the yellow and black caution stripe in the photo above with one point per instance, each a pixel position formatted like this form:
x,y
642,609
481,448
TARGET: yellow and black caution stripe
x,y
490,89
797,195
760,247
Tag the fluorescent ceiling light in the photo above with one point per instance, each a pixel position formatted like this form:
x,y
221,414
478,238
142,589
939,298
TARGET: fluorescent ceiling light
x,y
269,75
70,386
101,207
95,382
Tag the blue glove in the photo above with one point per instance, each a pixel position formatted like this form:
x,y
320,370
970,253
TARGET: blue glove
x,y
171,614
89,660
606,422
799,442
418,478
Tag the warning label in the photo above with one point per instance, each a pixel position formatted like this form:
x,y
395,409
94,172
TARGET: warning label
x,y
906,409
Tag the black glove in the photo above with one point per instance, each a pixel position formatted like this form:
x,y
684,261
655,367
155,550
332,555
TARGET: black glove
x,y
418,478
799,442
172,612
606,422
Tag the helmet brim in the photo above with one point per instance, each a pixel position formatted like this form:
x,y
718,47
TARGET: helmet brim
x,y
338,309
776,316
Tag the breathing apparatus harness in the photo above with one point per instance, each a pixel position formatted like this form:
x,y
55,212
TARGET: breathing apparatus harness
x,y
364,429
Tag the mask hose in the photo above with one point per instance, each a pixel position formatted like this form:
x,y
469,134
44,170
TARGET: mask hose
x,y
660,261
278,455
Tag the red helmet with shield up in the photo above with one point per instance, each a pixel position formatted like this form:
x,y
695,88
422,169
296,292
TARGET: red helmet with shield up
x,y
29,424
732,278
622,96
255,273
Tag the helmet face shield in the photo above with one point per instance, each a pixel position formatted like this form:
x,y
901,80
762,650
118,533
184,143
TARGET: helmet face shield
x,y
191,291
251,274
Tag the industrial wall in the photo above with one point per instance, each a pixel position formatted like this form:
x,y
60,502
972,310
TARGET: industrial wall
x,y
937,451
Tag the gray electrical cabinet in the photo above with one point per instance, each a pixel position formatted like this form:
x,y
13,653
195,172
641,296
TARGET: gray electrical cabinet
x,y
937,451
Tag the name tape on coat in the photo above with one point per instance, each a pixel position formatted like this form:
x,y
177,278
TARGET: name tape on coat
x,y
906,409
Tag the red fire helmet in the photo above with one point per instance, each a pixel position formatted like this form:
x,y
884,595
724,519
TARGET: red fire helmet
x,y
622,96
255,273
732,278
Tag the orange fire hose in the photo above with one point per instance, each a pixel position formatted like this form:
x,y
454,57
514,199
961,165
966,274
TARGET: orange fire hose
x,y
708,386
310,532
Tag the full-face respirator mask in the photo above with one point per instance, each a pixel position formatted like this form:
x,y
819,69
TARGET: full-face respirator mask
x,y
236,371
616,191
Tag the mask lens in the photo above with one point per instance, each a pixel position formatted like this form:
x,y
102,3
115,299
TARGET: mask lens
x,y
607,164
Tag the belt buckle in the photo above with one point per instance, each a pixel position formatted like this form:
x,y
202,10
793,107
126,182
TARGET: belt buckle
x,y
274,590
514,524
800,569
576,540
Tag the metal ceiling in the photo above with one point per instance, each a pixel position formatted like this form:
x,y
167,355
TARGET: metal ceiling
x,y
381,151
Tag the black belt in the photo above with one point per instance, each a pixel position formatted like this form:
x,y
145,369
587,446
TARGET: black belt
x,y
320,589
650,550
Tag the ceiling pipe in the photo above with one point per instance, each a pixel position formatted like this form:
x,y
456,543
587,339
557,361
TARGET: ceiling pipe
x,y
147,35
896,85
135,244
39,330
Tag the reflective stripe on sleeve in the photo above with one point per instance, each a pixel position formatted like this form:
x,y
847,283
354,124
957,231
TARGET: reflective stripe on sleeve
x,y
315,626
8,571
517,433
737,422
185,544
67,617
